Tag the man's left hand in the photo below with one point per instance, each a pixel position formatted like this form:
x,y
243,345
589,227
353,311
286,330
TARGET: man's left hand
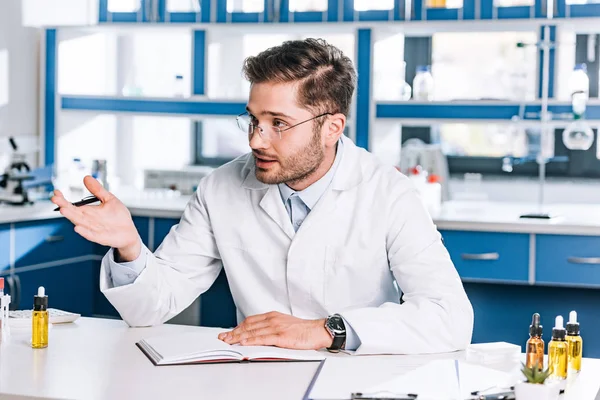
x,y
281,330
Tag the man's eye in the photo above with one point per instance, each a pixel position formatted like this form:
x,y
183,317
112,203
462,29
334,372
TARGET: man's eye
x,y
279,124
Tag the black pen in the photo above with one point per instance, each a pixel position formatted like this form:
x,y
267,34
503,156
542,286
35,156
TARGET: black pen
x,y
83,202
362,396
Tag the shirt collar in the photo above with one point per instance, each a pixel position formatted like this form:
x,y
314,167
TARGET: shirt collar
x,y
311,195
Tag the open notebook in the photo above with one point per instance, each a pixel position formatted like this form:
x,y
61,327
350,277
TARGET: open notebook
x,y
204,346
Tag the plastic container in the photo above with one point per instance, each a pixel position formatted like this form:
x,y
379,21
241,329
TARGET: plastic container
x,y
579,80
423,84
178,86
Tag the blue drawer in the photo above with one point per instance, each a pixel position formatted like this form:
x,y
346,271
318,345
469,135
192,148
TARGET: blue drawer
x,y
44,241
162,226
568,260
4,247
489,256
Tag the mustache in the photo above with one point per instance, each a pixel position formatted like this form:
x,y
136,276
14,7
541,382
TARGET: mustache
x,y
258,154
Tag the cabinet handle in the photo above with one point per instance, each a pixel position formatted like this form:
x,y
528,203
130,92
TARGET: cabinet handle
x,y
481,257
584,260
54,238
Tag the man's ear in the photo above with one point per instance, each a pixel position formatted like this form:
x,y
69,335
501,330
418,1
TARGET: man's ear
x,y
335,125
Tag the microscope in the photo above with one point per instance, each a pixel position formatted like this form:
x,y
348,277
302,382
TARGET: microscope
x,y
11,181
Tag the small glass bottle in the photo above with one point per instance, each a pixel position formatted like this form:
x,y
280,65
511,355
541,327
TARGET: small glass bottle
x,y
178,87
39,318
535,344
558,350
423,84
575,344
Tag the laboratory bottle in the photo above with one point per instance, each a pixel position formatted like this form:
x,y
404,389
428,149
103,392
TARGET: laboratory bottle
x,y
423,84
535,344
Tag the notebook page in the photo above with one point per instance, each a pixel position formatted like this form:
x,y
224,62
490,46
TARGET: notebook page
x,y
258,352
186,346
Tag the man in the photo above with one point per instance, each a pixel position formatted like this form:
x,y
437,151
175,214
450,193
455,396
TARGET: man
x,y
315,235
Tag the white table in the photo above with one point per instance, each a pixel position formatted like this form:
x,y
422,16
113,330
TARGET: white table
x,y
97,359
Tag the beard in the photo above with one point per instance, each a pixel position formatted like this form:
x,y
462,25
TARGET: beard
x,y
296,167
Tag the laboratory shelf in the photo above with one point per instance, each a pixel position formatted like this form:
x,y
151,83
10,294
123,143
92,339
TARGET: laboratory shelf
x,y
192,106
489,111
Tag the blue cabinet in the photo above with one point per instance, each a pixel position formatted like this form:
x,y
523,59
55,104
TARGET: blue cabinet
x,y
489,256
142,225
568,260
4,248
40,242
216,305
69,287
162,226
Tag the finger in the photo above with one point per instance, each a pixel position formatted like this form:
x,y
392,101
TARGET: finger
x,y
58,193
259,317
223,335
74,215
268,330
60,201
86,233
267,340
97,189
250,327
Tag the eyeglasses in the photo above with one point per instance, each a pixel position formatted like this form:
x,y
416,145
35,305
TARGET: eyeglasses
x,y
244,122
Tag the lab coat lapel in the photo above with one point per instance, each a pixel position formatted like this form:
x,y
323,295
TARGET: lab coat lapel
x,y
348,175
270,202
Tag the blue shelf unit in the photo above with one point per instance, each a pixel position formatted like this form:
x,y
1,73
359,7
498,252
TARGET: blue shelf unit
x,y
210,11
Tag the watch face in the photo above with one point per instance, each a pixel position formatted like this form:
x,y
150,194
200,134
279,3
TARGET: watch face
x,y
336,324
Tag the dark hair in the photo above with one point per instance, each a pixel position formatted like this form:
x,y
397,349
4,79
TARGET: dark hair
x,y
326,76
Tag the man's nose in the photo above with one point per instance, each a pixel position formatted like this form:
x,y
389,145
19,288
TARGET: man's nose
x,y
257,141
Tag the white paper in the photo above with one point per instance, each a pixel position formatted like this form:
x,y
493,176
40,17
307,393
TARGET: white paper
x,y
343,375
445,380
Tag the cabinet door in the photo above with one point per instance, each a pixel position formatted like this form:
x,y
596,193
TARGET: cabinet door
x,y
39,242
568,260
69,287
4,248
162,226
489,256
142,225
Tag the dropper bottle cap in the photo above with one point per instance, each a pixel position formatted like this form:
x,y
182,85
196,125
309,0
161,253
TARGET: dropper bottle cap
x,y
40,301
558,332
535,329
573,325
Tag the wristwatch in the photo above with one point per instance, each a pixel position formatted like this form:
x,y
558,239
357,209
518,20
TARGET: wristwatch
x,y
336,328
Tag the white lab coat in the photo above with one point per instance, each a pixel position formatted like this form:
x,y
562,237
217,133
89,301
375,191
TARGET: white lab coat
x,y
369,227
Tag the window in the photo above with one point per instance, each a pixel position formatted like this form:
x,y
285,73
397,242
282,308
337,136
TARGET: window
x,y
123,5
365,5
88,65
4,77
484,140
219,140
80,136
183,6
484,65
308,5
156,58
247,6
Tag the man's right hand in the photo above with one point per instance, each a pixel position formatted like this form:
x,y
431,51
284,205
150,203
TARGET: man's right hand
x,y
108,224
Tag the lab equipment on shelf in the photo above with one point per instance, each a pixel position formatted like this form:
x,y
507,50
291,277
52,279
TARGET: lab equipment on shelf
x,y
178,86
423,84
12,189
579,82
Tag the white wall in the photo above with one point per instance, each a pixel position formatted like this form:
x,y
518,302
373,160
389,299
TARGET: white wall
x,y
19,114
